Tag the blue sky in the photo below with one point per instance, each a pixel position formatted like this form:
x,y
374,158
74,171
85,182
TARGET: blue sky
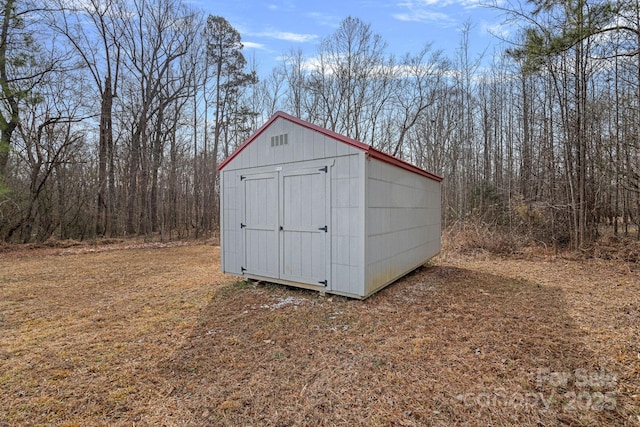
x,y
272,28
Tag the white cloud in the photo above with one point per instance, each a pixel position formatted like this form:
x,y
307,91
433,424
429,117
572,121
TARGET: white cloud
x,y
325,19
308,64
444,3
414,4
423,11
281,6
469,4
422,15
432,10
287,36
253,45
499,30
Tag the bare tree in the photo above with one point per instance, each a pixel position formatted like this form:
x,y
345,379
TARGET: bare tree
x,y
99,50
349,84
48,141
420,79
158,35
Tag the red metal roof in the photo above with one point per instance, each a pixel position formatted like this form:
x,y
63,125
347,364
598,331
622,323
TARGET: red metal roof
x,y
373,152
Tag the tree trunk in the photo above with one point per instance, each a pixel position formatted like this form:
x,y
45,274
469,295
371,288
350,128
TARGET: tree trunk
x,y
132,176
7,125
105,145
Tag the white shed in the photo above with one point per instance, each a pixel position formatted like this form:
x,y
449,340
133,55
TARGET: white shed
x,y
304,206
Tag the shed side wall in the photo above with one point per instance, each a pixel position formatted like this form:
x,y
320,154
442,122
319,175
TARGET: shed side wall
x,y
231,257
403,222
347,239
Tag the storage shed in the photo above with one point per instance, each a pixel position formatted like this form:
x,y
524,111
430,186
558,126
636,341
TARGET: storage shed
x,y
304,206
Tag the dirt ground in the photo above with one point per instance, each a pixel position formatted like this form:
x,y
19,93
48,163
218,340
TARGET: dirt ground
x,y
156,335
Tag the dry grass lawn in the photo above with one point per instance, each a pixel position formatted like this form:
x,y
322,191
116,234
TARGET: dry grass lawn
x,y
157,336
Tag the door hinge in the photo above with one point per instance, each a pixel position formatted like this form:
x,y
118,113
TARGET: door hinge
x,y
281,228
242,225
242,177
324,169
242,270
323,283
325,228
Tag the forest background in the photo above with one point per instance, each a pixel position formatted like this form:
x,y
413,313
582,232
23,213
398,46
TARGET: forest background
x,y
115,114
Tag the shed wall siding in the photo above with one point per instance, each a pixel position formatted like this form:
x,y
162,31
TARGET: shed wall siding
x,y
402,222
347,274
230,227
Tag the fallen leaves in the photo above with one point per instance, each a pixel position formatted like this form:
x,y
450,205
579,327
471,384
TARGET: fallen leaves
x,y
157,336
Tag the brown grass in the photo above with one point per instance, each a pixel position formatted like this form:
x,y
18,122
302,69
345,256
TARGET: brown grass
x,y
157,336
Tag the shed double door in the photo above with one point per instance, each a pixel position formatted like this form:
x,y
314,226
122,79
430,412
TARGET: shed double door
x,y
285,225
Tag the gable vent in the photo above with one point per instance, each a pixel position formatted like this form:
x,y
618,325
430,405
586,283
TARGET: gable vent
x,y
279,140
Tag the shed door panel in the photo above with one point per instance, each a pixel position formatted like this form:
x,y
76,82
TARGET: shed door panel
x,y
260,224
304,218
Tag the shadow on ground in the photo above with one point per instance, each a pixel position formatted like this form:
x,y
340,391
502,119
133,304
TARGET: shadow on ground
x,y
443,346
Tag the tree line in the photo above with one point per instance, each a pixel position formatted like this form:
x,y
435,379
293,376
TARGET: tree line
x,y
114,115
